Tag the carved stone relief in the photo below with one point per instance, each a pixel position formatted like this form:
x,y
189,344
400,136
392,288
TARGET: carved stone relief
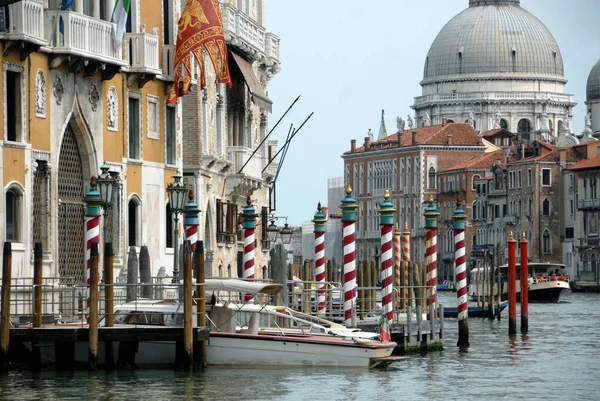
x,y
58,90
40,94
112,112
94,97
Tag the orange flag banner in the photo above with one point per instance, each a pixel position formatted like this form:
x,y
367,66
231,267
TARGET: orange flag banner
x,y
200,27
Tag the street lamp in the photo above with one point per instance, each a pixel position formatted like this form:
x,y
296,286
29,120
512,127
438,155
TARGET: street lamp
x,y
177,192
285,233
272,232
106,184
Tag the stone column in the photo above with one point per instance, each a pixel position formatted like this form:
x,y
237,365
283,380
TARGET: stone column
x,y
109,6
77,6
96,9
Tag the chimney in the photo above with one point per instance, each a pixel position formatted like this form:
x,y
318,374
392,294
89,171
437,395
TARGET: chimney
x,y
367,143
414,138
325,211
400,138
449,139
443,121
353,145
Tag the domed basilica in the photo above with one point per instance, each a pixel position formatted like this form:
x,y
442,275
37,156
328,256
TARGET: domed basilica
x,y
496,65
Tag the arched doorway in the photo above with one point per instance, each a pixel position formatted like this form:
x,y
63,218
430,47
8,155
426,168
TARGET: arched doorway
x,y
71,209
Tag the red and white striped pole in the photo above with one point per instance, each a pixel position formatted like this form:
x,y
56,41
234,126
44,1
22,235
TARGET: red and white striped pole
x,y
249,217
431,222
319,221
93,200
191,221
398,266
459,219
349,207
386,221
406,259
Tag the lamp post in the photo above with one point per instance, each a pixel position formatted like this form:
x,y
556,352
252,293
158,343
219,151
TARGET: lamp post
x,y
177,192
285,233
106,183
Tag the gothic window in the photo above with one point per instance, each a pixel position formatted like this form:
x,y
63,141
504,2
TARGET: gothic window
x,y
361,179
220,271
402,175
133,221
503,124
475,178
14,198
546,242
474,210
524,127
431,179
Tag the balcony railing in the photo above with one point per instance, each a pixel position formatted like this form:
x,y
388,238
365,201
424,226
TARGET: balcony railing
x,y
511,219
272,46
585,242
168,61
81,35
541,96
26,22
239,155
141,50
588,204
241,30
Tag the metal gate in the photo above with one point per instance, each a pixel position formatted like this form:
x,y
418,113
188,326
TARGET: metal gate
x,y
71,258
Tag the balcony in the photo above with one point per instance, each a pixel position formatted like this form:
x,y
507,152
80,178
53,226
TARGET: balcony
x,y
141,52
589,242
84,42
511,220
556,98
25,29
250,37
272,167
588,204
250,178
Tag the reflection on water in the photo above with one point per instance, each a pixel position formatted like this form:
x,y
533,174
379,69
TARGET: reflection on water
x,y
558,360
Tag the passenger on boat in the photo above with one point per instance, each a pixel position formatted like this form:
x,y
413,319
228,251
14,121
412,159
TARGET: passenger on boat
x,y
530,280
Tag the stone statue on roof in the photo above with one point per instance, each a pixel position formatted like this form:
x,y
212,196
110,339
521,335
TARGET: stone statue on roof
x,y
410,122
371,135
497,119
400,124
544,122
426,120
588,122
471,119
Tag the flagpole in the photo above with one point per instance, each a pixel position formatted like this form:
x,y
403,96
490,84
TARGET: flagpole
x,y
267,136
287,142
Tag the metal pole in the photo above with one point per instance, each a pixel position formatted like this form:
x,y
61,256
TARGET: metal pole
x,y
188,329
287,142
524,285
109,312
37,283
176,249
5,318
512,285
93,319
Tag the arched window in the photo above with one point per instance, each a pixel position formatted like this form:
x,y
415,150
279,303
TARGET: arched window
x,y
503,124
13,215
586,266
546,207
133,221
229,270
593,262
431,180
449,121
474,210
220,271
265,272
546,242
524,127
473,179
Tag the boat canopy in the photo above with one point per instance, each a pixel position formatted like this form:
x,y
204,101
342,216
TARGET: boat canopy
x,y
234,285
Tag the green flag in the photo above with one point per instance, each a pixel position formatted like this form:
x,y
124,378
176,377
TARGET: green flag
x,y
119,17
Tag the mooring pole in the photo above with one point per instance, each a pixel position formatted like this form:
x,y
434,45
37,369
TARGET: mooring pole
x,y
109,302
459,219
200,349
431,225
319,222
188,329
37,284
5,319
512,285
349,207
386,222
93,319
524,285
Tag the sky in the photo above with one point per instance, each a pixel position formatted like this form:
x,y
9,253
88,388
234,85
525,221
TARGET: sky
x,y
349,59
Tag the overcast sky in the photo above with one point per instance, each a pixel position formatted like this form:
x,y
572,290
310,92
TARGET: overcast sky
x,y
350,59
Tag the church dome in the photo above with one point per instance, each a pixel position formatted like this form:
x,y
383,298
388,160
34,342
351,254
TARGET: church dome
x,y
593,83
493,39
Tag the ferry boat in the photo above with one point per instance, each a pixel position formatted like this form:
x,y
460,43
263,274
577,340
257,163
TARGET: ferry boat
x,y
545,284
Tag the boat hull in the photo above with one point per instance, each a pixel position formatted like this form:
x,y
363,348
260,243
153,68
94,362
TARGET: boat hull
x,y
233,349
546,291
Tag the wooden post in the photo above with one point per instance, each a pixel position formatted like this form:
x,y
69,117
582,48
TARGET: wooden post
x,y
373,284
360,280
524,286
37,283
93,320
5,319
188,329
423,270
329,271
200,347
109,302
306,296
512,286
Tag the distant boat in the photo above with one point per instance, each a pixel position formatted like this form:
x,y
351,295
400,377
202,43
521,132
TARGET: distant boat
x,y
474,310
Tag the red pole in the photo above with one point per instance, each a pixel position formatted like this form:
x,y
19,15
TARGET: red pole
x,y
512,286
524,285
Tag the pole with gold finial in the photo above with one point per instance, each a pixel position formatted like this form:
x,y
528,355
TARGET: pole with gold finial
x,y
524,285
459,219
431,223
249,217
319,221
512,285
386,221
349,207
93,201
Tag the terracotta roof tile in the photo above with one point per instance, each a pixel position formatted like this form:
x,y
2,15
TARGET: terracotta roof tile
x,y
586,164
483,161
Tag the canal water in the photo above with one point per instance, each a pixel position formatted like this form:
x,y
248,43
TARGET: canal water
x,y
558,360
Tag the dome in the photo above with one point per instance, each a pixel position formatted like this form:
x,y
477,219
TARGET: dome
x,y
593,83
493,39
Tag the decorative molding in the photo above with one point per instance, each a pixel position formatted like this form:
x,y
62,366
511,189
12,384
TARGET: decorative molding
x,y
220,101
112,109
40,94
94,97
58,89
152,117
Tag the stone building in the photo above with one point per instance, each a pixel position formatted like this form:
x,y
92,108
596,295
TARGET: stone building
x,y
407,163
459,183
496,65
593,100
72,100
221,130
